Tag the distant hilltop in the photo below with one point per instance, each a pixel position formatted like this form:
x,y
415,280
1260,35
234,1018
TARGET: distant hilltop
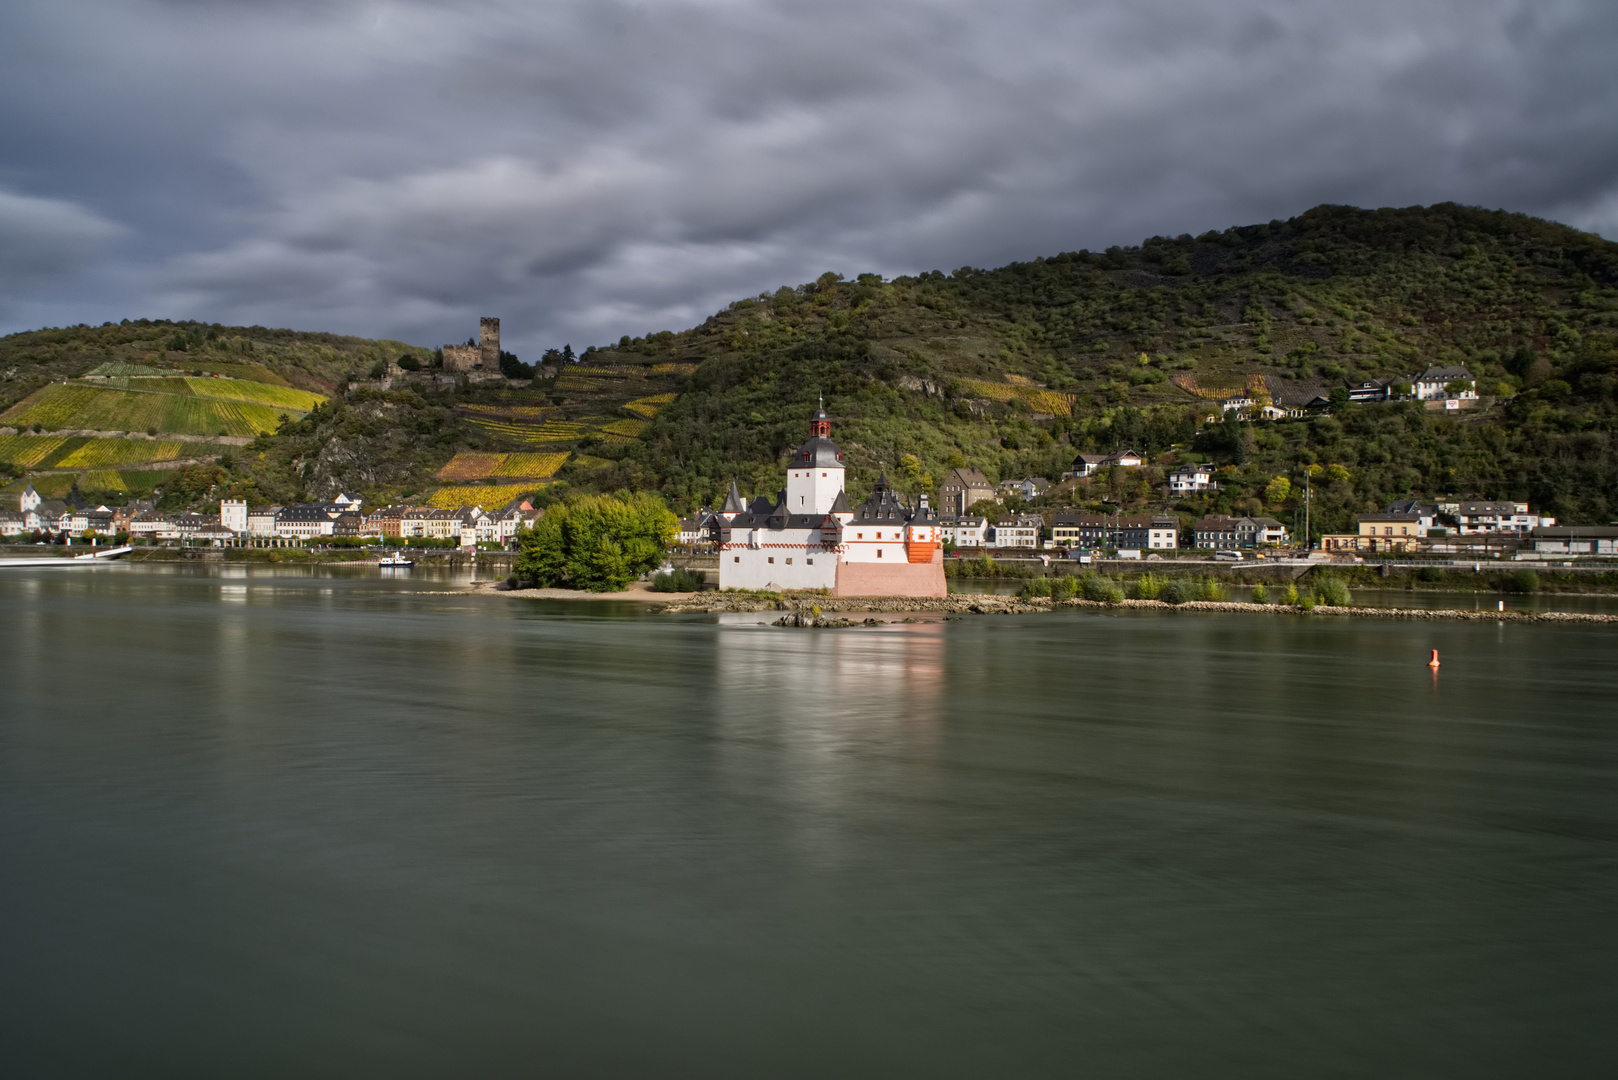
x,y
1013,372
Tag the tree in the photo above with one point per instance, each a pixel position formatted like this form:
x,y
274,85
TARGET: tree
x,y
1339,398
1337,472
910,465
599,543
409,363
567,354
1278,491
513,368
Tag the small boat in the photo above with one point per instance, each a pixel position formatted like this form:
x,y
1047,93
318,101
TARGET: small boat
x,y
396,560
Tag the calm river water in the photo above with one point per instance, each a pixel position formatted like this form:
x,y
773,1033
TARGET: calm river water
x,y
292,823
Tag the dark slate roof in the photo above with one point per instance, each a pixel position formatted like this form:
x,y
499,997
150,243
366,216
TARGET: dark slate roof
x,y
818,453
883,507
733,501
1444,372
840,505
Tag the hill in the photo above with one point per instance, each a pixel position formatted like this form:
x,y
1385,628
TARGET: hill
x,y
1012,370
194,412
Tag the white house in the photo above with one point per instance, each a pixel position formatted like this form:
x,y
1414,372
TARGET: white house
x,y
1190,479
1090,464
1018,531
1478,518
1430,384
966,531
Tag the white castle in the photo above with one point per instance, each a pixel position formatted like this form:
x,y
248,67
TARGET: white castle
x,y
809,538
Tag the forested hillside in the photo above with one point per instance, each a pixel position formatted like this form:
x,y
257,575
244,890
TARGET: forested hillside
x,y
1013,371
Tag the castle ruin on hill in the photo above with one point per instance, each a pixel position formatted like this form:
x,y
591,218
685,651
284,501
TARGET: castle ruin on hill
x,y
483,358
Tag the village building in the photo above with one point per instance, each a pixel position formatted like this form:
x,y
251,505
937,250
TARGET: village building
x,y
962,488
966,531
1027,489
1433,384
1192,480
1574,540
1477,517
1019,531
1090,464
1222,533
810,538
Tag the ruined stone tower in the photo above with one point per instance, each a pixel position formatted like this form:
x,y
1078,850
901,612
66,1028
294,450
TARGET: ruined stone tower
x,y
489,343
484,356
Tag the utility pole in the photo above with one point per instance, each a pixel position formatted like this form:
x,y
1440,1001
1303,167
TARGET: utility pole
x,y
1306,538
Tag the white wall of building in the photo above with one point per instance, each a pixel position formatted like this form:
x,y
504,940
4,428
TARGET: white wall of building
x,y
812,491
782,559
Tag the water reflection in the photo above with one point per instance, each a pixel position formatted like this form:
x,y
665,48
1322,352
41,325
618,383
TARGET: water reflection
x,y
832,722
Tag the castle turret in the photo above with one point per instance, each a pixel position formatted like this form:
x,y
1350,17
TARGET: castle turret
x,y
815,475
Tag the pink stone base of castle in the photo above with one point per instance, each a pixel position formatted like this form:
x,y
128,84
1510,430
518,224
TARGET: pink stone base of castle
x,y
892,579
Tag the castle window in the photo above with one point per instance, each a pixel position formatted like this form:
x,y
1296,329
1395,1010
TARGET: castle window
x,y
737,558
772,558
879,553
860,536
811,562
789,562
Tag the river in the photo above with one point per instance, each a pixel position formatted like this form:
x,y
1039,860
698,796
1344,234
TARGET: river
x,y
315,822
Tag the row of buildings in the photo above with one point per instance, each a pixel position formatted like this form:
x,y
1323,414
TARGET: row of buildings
x,y
240,525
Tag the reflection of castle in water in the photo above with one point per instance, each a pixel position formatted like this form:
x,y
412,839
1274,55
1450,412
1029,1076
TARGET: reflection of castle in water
x,y
828,691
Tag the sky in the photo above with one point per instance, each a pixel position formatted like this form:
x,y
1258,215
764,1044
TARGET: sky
x,y
585,170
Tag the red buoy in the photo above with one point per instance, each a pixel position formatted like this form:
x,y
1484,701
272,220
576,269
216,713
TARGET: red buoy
x,y
1433,663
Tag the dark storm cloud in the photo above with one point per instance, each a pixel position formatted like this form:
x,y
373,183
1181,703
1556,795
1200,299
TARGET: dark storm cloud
x,y
590,169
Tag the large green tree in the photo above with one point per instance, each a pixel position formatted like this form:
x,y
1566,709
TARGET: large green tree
x,y
599,543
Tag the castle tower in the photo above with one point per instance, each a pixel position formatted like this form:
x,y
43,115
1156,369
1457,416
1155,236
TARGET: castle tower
x,y
489,343
815,475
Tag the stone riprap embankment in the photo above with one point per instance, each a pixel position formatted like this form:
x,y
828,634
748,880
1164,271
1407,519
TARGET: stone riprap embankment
x,y
969,604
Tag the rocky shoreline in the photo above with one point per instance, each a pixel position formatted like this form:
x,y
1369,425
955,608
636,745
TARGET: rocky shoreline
x,y
984,604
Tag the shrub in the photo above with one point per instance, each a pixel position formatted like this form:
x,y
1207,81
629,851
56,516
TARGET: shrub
x,y
677,581
1179,592
1149,587
1289,595
1261,595
1040,586
1102,589
1525,581
1306,600
1334,591
1065,587
1429,573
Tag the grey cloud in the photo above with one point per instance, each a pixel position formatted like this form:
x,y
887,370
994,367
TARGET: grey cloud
x,y
589,169
44,240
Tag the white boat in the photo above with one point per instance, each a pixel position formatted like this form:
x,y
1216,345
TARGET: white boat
x,y
88,559
395,561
